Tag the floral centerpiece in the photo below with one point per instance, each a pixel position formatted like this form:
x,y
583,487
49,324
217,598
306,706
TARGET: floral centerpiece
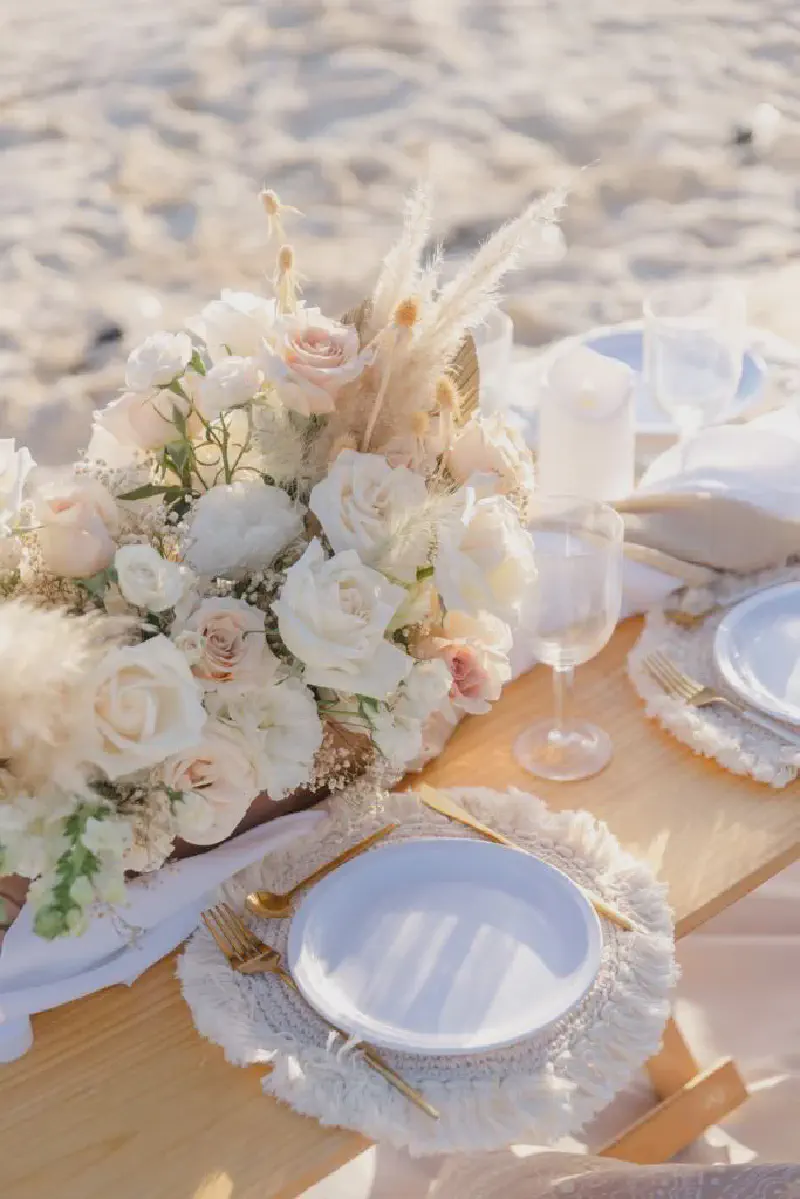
x,y
291,541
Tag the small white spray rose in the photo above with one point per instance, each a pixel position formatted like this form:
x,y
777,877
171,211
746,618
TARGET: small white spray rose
x,y
488,445
159,360
219,778
233,647
144,420
149,581
238,323
333,615
15,466
475,650
231,382
364,504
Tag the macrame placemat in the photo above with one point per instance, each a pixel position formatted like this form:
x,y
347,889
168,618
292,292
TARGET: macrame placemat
x,y
537,1090
715,731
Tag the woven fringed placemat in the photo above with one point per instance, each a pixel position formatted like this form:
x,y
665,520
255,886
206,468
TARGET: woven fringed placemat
x,y
715,731
536,1090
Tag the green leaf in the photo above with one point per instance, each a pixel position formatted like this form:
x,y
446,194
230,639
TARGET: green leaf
x,y
366,701
196,362
151,489
424,572
179,421
50,922
176,388
178,456
96,584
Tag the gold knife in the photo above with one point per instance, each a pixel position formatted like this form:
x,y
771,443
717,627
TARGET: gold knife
x,y
437,801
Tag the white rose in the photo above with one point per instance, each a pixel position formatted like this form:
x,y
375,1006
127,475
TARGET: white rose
x,y
147,580
239,527
219,778
231,382
146,705
366,505
475,651
485,559
15,466
333,616
142,419
282,719
233,652
77,517
488,445
159,360
238,323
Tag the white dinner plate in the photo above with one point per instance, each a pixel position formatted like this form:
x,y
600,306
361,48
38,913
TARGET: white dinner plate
x,y
444,946
757,649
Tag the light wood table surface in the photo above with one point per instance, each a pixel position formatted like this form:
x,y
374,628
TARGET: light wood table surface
x,y
121,1097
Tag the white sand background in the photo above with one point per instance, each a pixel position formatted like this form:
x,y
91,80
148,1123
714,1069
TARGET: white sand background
x,y
134,135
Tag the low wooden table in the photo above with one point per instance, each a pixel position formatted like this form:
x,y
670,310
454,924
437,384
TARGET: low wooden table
x,y
120,1096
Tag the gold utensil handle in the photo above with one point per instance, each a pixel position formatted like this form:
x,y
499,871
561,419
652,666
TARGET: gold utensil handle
x,y
445,806
339,860
371,1057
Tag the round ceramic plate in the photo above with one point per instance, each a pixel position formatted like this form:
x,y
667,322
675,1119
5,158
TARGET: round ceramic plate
x,y
444,946
757,649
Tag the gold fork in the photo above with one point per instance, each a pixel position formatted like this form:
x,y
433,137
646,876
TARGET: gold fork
x,y
247,954
683,687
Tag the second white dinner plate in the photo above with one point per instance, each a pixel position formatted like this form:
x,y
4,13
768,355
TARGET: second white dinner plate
x,y
444,946
757,651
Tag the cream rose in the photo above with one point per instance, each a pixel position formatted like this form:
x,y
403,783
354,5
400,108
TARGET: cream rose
x,y
149,581
317,357
238,323
145,706
366,505
159,360
144,419
77,517
219,779
15,466
239,527
476,651
485,560
333,615
487,445
233,651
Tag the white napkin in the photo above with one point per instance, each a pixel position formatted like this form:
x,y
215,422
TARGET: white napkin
x,y
163,909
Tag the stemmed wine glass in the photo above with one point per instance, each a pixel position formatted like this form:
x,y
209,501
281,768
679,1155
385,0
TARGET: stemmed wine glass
x,y
579,560
694,341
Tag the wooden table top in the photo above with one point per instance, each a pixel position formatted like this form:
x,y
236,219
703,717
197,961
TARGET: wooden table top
x,y
120,1096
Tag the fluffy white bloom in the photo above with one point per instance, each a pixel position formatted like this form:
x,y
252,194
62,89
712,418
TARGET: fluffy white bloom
x,y
233,651
485,559
488,445
397,731
78,517
238,323
147,580
142,420
319,356
364,503
239,527
231,381
145,705
219,776
333,615
15,466
157,361
475,650
282,719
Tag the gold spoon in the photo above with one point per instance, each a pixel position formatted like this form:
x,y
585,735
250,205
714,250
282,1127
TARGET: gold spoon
x,y
271,905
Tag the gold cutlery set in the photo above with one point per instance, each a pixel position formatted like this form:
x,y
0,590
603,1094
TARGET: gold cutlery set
x,y
246,953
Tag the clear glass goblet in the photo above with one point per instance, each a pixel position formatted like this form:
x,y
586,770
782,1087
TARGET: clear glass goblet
x,y
579,560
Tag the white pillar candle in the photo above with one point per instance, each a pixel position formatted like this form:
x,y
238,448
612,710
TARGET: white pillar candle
x,y
587,433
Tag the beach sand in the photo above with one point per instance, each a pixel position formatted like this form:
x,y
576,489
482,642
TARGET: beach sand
x,y
134,139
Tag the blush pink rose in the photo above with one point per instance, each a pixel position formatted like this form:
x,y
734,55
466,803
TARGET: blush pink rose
x,y
317,357
476,651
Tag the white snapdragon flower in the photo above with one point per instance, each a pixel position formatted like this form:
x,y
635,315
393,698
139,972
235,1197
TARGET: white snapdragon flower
x,y
364,504
485,560
159,360
15,466
239,527
238,323
149,581
333,615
